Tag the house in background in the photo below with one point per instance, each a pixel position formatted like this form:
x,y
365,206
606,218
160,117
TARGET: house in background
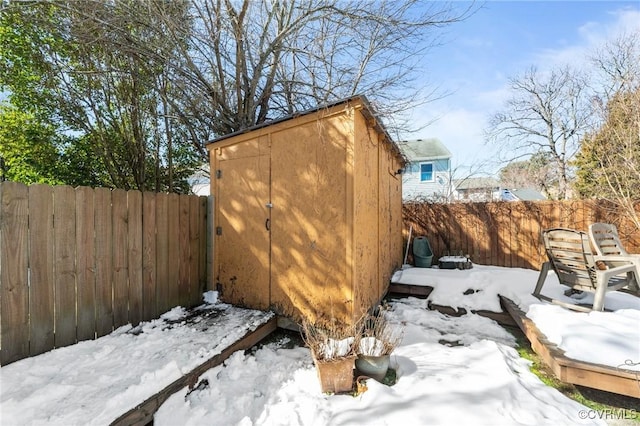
x,y
427,175
477,189
484,189
200,182
524,194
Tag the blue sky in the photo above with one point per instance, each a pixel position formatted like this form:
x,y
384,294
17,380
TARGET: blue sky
x,y
501,40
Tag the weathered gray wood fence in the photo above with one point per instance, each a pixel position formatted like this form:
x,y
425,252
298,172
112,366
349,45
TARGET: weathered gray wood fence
x,y
77,263
508,233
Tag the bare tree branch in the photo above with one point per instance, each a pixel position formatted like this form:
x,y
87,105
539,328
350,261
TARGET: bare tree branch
x,y
547,114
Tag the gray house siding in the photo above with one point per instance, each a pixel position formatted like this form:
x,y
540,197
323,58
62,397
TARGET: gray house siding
x,y
414,188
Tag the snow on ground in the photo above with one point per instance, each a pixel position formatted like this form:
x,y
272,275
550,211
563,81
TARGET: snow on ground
x,y
450,370
94,382
482,381
608,338
488,282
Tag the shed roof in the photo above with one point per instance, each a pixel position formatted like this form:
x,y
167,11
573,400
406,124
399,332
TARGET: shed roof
x,y
367,110
424,149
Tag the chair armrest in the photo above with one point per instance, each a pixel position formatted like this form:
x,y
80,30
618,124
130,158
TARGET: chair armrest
x,y
617,258
619,270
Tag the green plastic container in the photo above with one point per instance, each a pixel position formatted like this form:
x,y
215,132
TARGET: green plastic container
x,y
422,254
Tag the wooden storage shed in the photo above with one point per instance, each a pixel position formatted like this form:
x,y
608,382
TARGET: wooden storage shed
x,y
308,213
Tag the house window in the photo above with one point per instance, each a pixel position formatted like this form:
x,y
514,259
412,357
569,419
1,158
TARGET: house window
x,y
426,172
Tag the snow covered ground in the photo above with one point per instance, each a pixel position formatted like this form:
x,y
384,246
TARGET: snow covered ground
x,y
94,382
450,370
615,335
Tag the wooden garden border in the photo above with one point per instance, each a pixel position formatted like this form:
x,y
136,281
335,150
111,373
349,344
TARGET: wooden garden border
x,y
143,413
569,370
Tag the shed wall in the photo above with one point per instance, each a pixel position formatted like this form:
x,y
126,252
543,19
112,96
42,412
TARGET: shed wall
x,y
309,232
384,221
378,215
390,218
366,215
395,218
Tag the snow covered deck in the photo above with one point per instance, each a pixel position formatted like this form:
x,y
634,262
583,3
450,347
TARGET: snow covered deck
x,y
597,376
600,350
123,378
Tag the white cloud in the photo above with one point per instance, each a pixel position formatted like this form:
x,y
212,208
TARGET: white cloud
x,y
490,100
592,35
625,21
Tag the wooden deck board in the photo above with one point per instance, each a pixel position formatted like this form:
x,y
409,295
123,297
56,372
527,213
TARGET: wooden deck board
x,y
596,376
409,290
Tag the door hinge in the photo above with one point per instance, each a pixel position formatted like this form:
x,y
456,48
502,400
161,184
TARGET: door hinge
x,y
218,174
218,230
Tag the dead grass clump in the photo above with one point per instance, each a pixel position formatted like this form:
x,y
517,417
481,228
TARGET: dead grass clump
x,y
379,336
329,341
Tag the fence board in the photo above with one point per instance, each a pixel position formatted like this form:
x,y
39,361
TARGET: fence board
x,y
442,242
41,307
173,231
162,253
580,220
184,246
484,220
85,264
504,232
134,235
533,249
517,234
195,292
104,262
149,309
14,290
493,214
64,257
120,266
465,240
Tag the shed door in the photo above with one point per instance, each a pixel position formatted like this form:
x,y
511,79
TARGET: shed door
x,y
243,222
308,188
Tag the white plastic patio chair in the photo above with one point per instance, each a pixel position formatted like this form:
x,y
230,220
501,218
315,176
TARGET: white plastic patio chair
x,y
605,239
571,258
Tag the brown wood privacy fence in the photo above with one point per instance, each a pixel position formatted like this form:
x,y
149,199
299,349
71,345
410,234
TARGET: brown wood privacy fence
x,y
508,233
77,263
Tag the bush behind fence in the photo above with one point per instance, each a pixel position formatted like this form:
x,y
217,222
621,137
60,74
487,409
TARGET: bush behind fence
x,y
77,263
508,233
